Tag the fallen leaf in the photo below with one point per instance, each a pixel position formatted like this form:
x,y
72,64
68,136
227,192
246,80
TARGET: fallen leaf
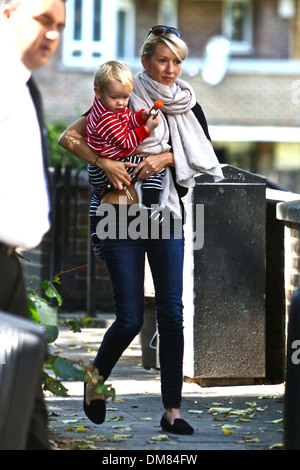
x,y
247,414
97,437
232,426
276,446
67,421
122,428
226,431
117,438
83,445
227,428
115,418
229,399
251,439
219,410
242,412
160,437
81,428
69,428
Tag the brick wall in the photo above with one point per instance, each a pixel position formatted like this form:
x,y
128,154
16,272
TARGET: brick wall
x,y
199,21
289,215
292,261
249,100
271,33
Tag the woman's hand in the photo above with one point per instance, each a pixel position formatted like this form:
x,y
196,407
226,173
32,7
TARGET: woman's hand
x,y
116,171
153,164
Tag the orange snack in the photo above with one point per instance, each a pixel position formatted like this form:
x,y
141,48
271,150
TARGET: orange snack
x,y
159,104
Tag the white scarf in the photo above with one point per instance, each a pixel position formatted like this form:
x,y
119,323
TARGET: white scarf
x,y
193,153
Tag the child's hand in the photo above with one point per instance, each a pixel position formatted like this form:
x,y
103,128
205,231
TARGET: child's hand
x,y
152,123
145,114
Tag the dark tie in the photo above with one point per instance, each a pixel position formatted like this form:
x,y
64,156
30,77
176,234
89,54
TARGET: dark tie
x,y
37,101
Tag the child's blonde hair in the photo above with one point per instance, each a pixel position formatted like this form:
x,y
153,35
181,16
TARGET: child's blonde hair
x,y
113,70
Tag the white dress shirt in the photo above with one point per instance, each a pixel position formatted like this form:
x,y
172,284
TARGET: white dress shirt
x,y
24,204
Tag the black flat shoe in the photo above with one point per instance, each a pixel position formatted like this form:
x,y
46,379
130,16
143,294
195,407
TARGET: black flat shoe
x,y
178,427
96,410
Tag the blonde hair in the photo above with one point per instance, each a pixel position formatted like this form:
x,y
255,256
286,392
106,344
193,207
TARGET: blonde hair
x,y
177,45
111,71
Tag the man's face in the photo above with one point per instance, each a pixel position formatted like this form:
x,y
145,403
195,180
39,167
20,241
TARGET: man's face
x,y
36,26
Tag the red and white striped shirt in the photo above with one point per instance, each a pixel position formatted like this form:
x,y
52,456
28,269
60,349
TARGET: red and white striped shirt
x,y
114,135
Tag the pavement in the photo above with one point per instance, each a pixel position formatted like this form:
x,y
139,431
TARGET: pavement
x,y
245,417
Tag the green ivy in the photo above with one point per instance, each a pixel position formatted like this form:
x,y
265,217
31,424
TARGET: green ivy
x,y
45,314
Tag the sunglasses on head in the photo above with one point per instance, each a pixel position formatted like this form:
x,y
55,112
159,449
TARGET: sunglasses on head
x,y
162,30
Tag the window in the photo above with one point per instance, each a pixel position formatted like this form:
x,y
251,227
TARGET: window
x,y
237,25
98,30
167,12
125,28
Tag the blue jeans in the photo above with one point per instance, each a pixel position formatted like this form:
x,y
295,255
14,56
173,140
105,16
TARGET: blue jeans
x,y
125,261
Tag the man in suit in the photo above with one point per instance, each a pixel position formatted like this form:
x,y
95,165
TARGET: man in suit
x,y
29,34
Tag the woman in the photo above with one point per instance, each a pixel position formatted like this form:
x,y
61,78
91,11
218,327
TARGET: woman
x,y
181,145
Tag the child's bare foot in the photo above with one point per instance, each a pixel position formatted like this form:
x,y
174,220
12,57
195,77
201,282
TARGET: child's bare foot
x,y
91,395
